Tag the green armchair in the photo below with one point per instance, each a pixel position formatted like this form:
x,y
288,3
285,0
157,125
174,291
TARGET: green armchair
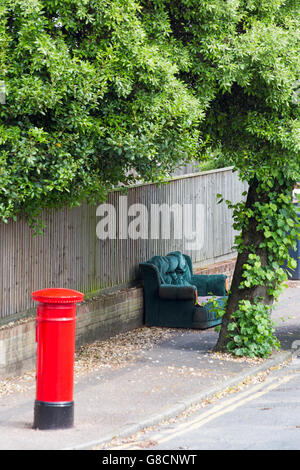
x,y
176,297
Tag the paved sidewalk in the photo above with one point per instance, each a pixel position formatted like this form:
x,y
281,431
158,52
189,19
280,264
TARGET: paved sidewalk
x,y
160,383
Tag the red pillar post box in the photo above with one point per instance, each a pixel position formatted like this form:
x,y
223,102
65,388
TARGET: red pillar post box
x,y
55,336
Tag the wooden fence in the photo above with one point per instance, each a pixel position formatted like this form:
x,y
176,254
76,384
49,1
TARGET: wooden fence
x,y
70,253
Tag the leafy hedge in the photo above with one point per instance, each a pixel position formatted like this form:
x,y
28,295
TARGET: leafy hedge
x,y
90,95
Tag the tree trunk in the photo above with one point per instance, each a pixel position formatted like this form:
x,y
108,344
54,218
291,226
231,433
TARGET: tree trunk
x,y
251,238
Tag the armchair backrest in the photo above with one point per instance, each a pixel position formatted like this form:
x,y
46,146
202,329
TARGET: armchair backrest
x,y
175,268
162,265
184,266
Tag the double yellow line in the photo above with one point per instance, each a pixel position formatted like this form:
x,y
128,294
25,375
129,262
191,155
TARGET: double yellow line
x,y
215,412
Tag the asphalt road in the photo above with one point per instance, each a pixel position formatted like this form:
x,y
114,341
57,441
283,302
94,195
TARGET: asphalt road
x,y
262,416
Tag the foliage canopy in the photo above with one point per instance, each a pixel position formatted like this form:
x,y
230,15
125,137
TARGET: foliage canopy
x,y
89,96
96,88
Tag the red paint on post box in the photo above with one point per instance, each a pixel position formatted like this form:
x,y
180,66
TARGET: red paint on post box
x,y
55,334
57,295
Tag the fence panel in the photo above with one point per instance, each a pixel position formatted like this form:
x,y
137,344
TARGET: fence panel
x,y
69,253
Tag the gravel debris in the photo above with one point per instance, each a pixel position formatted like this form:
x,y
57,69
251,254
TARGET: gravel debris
x,y
230,357
113,353
293,284
13,324
120,350
19,384
186,371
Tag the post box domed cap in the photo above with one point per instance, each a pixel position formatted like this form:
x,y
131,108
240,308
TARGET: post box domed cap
x,y
57,295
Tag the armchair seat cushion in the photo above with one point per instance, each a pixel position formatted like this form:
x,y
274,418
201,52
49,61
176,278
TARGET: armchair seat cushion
x,y
171,292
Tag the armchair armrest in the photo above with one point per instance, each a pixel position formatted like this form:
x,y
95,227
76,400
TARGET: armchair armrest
x,y
150,274
171,292
210,284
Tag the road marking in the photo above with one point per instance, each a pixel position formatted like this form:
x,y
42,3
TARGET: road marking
x,y
216,411
202,420
223,404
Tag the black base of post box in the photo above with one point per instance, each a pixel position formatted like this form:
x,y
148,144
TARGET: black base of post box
x,y
49,415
